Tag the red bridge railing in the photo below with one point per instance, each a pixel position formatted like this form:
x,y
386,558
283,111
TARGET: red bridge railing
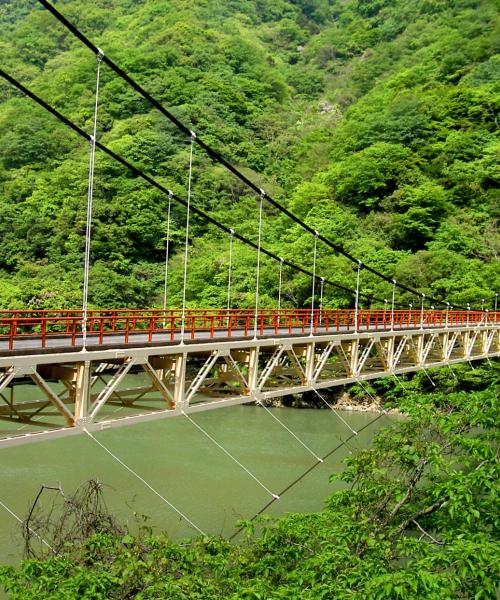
x,y
127,326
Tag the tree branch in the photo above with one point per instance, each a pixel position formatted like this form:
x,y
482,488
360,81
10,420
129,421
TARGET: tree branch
x,y
434,540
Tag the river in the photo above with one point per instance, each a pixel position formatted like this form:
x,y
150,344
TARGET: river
x,y
187,468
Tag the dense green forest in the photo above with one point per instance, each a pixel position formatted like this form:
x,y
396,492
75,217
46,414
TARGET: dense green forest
x,y
416,518
376,121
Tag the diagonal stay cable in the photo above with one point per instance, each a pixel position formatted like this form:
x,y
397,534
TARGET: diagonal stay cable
x,y
19,520
319,459
233,458
305,473
216,155
142,480
367,391
138,173
330,406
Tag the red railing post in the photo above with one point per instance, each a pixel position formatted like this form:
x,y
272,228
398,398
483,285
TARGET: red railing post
x,y
172,327
43,330
151,326
12,333
101,330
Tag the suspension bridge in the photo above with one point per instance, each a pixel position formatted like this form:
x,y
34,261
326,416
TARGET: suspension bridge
x,y
163,363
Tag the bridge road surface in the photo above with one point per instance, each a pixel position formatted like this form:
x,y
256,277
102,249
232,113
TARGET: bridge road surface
x,y
58,343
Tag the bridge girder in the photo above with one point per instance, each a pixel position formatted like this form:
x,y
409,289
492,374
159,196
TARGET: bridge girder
x,y
81,388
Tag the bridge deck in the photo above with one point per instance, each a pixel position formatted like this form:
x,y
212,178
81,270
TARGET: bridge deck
x,y
31,345
28,332
141,363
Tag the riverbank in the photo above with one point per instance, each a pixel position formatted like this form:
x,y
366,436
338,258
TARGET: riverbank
x,y
338,400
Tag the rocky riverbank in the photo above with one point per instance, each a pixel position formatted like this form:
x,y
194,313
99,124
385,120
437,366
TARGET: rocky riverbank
x,y
339,400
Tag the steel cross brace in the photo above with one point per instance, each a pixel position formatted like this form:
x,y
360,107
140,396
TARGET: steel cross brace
x,y
322,361
201,376
104,395
269,368
451,345
399,351
364,356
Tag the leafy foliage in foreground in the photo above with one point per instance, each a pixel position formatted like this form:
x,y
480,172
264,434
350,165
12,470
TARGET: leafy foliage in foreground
x,y
417,519
376,121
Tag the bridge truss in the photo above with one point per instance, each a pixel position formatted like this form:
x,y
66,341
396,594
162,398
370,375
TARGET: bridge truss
x,y
113,386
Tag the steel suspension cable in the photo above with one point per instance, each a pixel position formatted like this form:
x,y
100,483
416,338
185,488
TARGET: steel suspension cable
x,y
227,453
139,173
392,303
229,271
90,200
367,391
356,299
20,521
213,153
330,406
260,403
305,473
313,291
186,247
321,300
280,281
167,256
422,312
257,278
142,480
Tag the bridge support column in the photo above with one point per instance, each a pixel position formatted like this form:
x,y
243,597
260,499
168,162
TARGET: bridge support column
x,y
390,354
354,348
82,391
419,354
466,344
180,381
310,356
444,342
253,371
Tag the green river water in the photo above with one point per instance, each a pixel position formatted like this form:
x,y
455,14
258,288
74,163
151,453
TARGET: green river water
x,y
187,468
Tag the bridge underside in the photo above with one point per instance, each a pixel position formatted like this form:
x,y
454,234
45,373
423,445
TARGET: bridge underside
x,y
53,395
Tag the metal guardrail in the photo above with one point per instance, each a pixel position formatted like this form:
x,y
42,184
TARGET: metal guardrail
x,y
42,325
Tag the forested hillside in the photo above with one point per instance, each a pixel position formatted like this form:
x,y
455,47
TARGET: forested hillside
x,y
376,121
